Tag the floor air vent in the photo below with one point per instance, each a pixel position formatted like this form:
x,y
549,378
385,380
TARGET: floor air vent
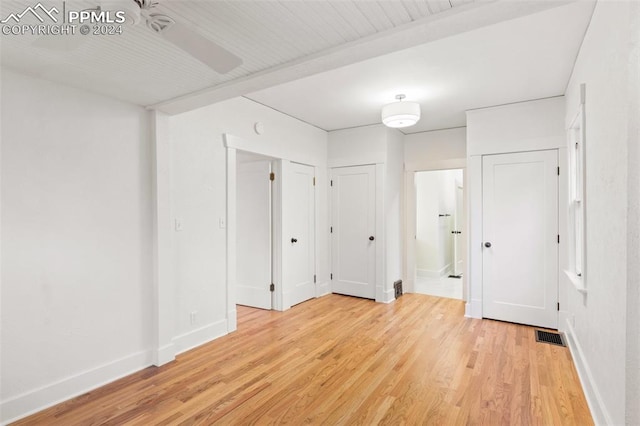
x,y
548,337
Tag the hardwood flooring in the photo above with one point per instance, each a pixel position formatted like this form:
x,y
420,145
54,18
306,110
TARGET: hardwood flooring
x,y
343,360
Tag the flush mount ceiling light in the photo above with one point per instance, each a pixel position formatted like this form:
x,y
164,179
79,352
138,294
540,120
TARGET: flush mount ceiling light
x,y
400,114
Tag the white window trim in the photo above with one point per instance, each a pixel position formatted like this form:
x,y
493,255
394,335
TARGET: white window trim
x,y
577,199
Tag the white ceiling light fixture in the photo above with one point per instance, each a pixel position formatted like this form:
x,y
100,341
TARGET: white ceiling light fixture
x,y
400,114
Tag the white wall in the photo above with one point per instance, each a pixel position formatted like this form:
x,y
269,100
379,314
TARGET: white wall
x,y
76,237
597,324
434,150
383,147
524,126
438,149
633,226
198,189
357,146
394,210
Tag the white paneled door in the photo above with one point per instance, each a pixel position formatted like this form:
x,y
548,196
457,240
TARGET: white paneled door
x,y
520,238
298,213
253,234
353,203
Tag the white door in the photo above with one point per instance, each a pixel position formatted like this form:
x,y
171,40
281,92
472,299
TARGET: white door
x,y
253,234
520,238
353,203
298,218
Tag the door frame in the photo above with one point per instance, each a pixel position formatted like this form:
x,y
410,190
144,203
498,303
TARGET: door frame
x,y
490,235
273,165
233,144
410,220
473,307
382,295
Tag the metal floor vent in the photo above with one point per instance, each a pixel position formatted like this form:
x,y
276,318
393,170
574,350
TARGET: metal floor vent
x,y
548,337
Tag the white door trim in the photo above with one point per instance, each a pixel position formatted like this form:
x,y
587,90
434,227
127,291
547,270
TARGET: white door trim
x,y
232,144
500,300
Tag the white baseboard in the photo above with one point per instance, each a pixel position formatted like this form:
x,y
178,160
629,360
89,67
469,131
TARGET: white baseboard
x,y
599,411
467,310
475,308
46,396
163,355
200,336
388,296
434,273
323,289
232,320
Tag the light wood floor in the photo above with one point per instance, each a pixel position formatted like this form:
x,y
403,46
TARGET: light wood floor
x,y
342,360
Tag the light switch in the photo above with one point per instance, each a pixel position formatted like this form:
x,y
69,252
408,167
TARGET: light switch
x,y
178,224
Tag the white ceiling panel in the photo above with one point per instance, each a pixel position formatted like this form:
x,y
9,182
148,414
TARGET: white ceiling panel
x,y
140,67
520,59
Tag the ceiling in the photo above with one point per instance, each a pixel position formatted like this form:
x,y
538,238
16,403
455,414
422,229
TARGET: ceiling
x,y
331,63
140,67
521,59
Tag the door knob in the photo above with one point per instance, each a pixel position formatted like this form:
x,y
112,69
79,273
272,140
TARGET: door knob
x,y
294,240
371,238
487,244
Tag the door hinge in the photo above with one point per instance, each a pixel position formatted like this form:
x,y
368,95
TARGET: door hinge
x,y
314,181
331,182
558,238
558,305
272,176
558,170
331,230
331,275
314,279
272,287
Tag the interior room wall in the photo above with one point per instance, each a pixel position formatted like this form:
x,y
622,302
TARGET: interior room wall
x,y
198,191
632,415
76,238
524,126
433,150
438,149
394,210
596,323
384,147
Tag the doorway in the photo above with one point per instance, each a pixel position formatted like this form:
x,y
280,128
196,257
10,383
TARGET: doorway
x,y
439,240
353,226
254,235
298,230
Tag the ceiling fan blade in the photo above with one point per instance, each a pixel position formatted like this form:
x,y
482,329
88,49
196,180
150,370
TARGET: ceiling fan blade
x,y
204,50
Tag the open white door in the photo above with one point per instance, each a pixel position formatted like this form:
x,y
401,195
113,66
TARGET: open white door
x,y
298,223
253,234
353,196
520,233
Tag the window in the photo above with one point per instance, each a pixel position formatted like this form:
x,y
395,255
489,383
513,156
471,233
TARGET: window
x,y
575,150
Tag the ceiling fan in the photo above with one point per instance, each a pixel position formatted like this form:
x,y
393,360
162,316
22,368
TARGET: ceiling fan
x,y
181,35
